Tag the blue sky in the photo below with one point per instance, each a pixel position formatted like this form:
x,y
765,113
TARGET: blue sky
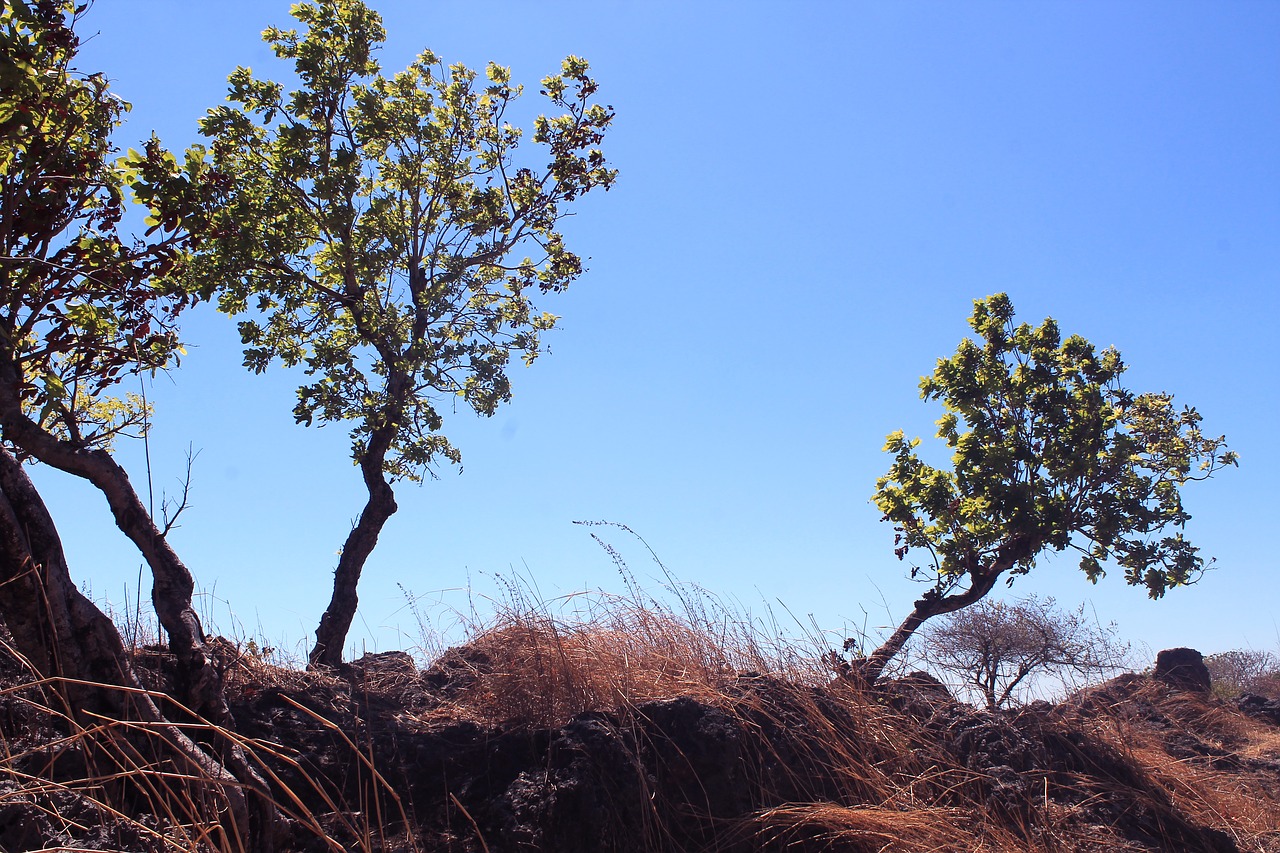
x,y
811,197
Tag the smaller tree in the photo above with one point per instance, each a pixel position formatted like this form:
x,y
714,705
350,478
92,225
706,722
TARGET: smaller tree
x,y
1244,671
999,648
1049,453
389,235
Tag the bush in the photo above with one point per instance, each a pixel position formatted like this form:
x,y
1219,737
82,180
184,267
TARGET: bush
x,y
1244,671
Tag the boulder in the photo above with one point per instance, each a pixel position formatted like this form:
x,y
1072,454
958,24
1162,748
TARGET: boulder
x,y
1260,707
1184,669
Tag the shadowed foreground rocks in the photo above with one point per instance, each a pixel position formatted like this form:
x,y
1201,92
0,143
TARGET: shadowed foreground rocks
x,y
385,758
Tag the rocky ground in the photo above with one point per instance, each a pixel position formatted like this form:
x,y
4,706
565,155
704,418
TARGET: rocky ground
x,y
383,756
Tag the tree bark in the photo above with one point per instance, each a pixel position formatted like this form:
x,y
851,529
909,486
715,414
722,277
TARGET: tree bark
x,y
67,639
331,634
199,684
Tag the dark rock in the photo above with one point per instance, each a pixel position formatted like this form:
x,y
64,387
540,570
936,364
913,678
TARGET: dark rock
x,y
82,824
589,793
1260,707
386,664
695,754
917,694
455,671
1184,669
23,824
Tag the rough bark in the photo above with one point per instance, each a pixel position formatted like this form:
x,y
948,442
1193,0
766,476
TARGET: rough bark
x,y
67,639
331,634
199,684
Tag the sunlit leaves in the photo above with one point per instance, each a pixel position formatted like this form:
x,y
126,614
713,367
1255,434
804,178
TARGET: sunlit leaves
x,y
1049,451
373,235
82,307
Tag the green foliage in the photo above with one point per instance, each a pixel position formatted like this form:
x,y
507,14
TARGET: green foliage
x,y
1050,452
82,307
378,233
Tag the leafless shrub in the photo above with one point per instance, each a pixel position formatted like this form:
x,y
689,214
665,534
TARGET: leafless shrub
x,y
999,649
1244,671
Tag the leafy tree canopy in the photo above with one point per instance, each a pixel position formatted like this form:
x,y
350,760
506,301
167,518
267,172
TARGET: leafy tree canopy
x,y
385,236
1049,453
373,233
80,306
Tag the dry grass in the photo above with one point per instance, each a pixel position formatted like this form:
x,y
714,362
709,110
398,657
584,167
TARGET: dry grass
x,y
87,773
1233,803
543,670
888,830
850,772
1209,760
884,785
833,767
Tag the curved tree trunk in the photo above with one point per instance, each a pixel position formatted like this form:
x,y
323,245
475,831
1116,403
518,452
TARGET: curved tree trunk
x,y
331,634
982,579
199,684
67,638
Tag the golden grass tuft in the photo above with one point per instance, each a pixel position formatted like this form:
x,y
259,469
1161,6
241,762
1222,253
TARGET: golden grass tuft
x,y
876,828
542,670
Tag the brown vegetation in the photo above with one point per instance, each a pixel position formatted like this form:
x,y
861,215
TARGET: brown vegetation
x,y
633,728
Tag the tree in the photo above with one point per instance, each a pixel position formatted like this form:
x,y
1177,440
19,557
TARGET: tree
x,y
996,646
1049,453
374,239
82,308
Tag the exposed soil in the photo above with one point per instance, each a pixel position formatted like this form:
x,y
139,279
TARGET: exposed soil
x,y
384,757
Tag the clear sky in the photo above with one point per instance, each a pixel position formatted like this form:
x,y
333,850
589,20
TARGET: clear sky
x,y
811,197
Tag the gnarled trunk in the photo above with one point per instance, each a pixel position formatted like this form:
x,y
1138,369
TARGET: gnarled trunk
x,y
199,684
67,639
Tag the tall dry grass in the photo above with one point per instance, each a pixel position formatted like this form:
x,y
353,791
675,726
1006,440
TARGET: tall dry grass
x,y
68,775
1214,764
831,765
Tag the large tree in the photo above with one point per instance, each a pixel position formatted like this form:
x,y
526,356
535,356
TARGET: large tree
x,y
81,308
1049,453
385,236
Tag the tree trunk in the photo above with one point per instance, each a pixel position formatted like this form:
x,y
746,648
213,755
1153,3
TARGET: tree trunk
x,y
67,638
331,635
199,684
981,581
